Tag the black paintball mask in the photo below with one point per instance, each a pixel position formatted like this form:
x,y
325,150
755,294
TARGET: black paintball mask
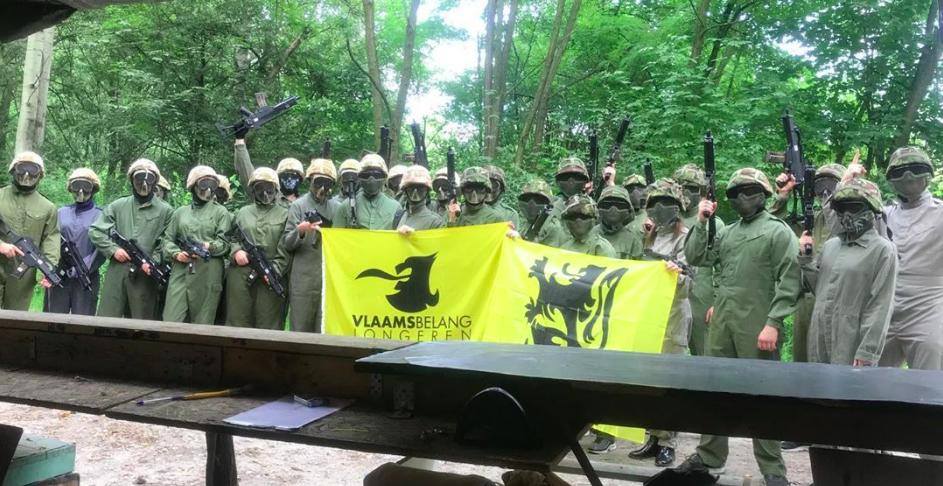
x,y
614,214
855,218
82,190
349,184
205,188
636,194
824,186
289,182
579,225
264,193
531,205
910,181
222,195
665,212
442,189
320,187
747,200
416,194
393,183
497,190
26,175
693,193
475,195
371,182
143,183
571,183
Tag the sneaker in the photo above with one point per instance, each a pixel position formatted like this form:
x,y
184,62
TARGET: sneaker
x,y
694,464
789,445
665,457
775,480
602,445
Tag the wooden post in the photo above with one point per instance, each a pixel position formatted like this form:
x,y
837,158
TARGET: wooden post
x,y
220,460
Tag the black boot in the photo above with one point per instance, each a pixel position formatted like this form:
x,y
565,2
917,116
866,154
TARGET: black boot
x,y
649,449
665,457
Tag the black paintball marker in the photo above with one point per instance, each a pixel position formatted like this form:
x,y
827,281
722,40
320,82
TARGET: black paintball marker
x,y
160,273
710,174
616,152
450,173
386,145
594,164
252,120
793,162
534,231
315,217
649,172
419,146
32,258
194,249
326,149
261,266
70,259
653,255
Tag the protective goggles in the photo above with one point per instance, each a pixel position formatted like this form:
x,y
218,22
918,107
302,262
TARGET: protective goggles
x,y
916,170
750,190
81,185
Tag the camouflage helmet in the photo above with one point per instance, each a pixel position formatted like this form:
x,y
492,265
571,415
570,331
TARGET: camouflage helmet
x,y
905,156
748,176
443,174
264,174
633,180
199,172
224,185
397,170
859,189
571,165
145,165
666,188
321,168
831,170
349,165
496,173
163,184
86,174
417,175
690,175
373,161
476,175
580,204
615,192
538,187
31,157
290,164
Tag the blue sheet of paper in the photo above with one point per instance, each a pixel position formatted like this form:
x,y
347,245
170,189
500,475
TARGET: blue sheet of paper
x,y
286,414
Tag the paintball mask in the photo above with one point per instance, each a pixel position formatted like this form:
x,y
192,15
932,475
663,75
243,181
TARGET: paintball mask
x,y
320,187
371,182
143,183
614,214
571,184
393,183
580,225
824,187
264,193
636,194
531,205
288,182
417,194
663,213
349,184
497,189
855,218
205,188
475,195
747,200
909,181
81,189
441,188
693,194
26,175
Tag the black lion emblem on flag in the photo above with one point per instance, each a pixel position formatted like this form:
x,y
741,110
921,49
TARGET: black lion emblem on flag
x,y
583,298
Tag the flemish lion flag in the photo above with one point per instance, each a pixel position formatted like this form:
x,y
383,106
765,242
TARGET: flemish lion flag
x,y
474,283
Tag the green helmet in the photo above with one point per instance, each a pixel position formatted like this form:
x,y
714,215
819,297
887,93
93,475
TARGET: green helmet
x,y
690,175
580,204
859,189
496,173
831,170
476,175
571,165
616,192
747,176
909,156
537,186
633,180
666,188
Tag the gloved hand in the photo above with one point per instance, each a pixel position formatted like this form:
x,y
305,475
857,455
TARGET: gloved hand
x,y
242,132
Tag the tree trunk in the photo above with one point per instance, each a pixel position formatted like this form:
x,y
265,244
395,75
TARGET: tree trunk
x,y
404,81
373,69
9,78
700,31
555,51
926,70
491,12
31,128
503,39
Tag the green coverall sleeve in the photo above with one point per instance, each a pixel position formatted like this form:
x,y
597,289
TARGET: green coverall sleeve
x,y
51,240
98,232
695,246
169,244
780,205
243,164
876,315
292,238
784,256
219,245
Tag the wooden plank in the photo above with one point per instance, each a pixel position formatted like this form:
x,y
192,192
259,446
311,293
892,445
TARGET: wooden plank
x,y
53,390
300,373
17,347
825,404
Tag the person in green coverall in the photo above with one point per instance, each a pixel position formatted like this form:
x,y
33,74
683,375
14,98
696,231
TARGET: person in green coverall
x,y
475,188
615,214
195,284
27,213
417,216
579,219
250,301
142,217
373,209
534,200
498,187
757,285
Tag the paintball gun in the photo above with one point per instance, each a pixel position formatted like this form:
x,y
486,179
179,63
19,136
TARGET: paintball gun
x,y
450,173
32,258
252,120
534,231
315,217
653,255
260,264
808,209
794,162
386,146
594,164
70,259
649,172
193,248
326,149
419,146
160,273
710,175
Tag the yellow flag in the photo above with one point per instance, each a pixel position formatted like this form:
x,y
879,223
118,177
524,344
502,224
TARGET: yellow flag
x,y
475,283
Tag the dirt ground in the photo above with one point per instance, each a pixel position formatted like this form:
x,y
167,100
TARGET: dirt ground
x,y
117,453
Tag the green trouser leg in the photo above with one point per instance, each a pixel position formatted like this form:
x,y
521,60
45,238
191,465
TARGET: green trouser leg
x,y
713,450
193,297
305,310
252,306
18,292
127,295
800,328
698,341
